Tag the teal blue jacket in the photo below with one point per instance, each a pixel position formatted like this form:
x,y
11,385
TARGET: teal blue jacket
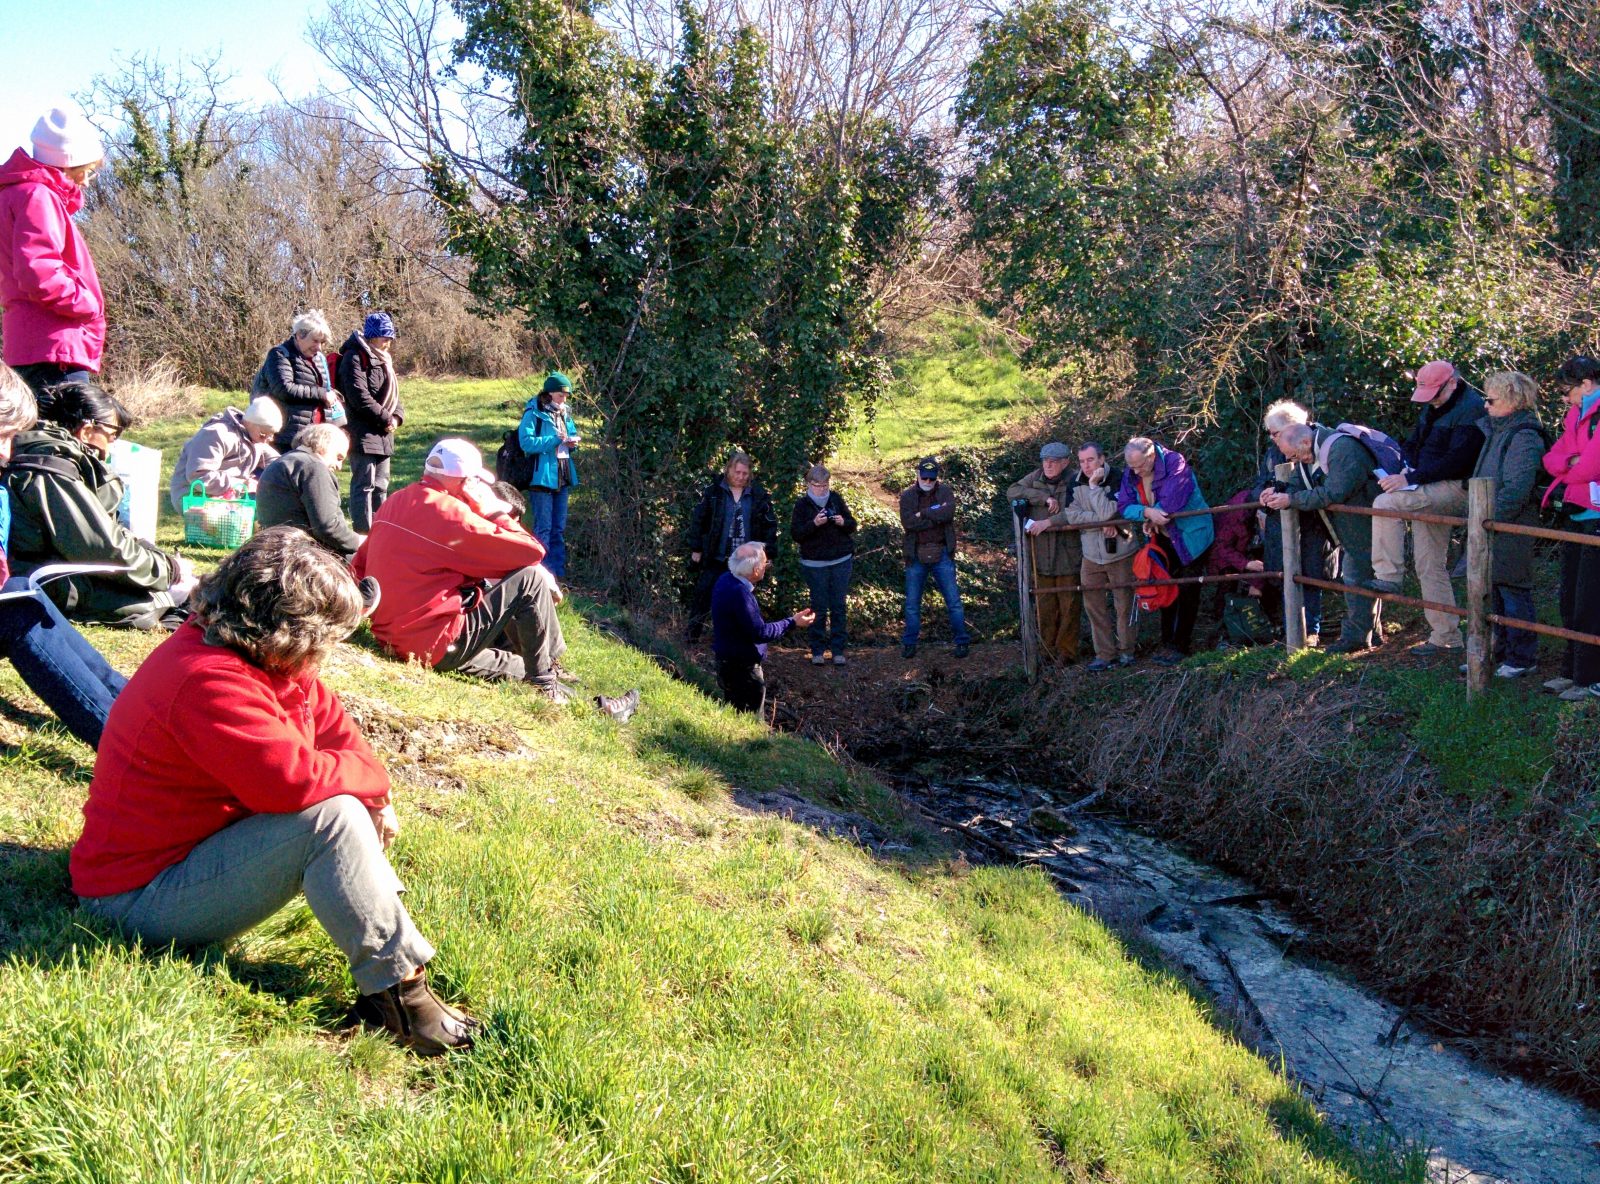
x,y
537,435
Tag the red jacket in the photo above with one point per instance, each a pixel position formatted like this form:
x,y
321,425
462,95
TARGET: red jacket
x,y
1574,459
201,739
425,546
53,308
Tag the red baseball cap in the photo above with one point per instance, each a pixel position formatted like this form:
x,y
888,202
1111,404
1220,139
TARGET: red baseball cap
x,y
1431,379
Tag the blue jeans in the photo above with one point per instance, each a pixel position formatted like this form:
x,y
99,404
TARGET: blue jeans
x,y
1519,647
1313,562
547,513
944,578
58,664
828,586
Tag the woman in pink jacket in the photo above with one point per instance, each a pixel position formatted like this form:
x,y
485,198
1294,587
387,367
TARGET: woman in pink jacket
x,y
54,314
1574,463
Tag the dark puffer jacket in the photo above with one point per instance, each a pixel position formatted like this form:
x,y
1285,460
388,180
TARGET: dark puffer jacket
x,y
1444,445
710,521
64,502
371,397
298,383
1513,450
826,542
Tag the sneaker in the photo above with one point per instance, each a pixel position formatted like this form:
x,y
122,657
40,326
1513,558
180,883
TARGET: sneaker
x,y
962,650
1507,670
1313,640
1098,666
908,650
1578,693
1389,587
818,660
1126,660
417,1018
1168,657
840,660
1426,649
1556,685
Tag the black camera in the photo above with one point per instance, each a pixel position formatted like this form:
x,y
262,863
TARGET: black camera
x,y
1278,486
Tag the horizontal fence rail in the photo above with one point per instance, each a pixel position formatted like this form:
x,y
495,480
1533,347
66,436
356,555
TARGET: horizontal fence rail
x,y
1481,529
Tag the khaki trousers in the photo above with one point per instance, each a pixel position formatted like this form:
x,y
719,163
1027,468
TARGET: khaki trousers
x,y
1430,545
1060,617
1105,622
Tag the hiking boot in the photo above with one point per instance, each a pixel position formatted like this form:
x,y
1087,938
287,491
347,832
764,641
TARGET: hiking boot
x,y
1313,640
1426,649
1556,685
1126,660
1345,647
417,1018
1168,657
962,650
562,673
1579,693
1098,666
840,660
550,687
1388,587
818,660
909,650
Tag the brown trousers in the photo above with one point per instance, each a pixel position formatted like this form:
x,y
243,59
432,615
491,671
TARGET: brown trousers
x,y
1124,626
1060,617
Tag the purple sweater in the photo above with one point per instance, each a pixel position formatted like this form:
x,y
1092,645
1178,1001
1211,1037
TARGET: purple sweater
x,y
739,632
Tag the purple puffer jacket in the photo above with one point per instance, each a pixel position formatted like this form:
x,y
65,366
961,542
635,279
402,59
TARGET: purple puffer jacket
x,y
1175,489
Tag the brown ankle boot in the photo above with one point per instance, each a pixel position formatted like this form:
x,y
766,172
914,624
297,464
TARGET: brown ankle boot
x,y
417,1018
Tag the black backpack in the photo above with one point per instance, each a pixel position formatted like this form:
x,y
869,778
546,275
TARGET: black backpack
x,y
512,464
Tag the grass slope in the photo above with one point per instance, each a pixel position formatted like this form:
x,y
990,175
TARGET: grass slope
x,y
677,988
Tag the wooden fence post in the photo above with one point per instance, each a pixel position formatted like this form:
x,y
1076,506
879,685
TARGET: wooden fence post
x,y
1294,597
1028,624
1480,567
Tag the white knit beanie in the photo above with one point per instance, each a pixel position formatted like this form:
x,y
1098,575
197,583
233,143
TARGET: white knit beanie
x,y
264,412
65,139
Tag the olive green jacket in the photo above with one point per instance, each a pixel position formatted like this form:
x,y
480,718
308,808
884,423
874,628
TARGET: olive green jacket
x,y
1055,552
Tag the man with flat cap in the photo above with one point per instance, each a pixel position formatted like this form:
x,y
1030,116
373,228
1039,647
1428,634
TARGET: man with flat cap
x,y
928,514
1057,550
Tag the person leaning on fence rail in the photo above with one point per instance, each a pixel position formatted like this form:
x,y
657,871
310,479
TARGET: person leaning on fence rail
x,y
732,511
1341,471
1314,540
1107,560
301,489
739,633
1573,463
1513,448
1439,456
230,780
928,516
228,452
373,413
64,500
1159,483
54,660
823,527
54,314
1057,560
295,373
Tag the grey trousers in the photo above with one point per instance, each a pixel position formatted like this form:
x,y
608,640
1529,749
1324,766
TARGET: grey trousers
x,y
244,873
511,633
369,486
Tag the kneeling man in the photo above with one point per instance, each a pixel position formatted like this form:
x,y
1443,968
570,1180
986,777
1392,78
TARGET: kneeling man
x,y
739,632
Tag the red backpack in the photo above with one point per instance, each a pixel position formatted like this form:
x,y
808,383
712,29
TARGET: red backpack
x,y
1150,563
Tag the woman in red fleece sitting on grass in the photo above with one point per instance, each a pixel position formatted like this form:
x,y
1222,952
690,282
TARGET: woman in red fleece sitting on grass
x,y
230,778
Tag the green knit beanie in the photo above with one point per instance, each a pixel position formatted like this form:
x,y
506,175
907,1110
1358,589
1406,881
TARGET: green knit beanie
x,y
557,382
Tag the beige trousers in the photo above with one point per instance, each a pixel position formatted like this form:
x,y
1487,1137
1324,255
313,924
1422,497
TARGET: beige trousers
x,y
1104,621
1430,545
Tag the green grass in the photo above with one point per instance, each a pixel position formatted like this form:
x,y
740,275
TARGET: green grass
x,y
676,988
962,385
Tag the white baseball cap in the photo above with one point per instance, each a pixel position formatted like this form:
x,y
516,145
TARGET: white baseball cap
x,y
64,139
455,458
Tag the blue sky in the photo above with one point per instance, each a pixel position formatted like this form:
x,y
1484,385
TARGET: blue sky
x,y
54,48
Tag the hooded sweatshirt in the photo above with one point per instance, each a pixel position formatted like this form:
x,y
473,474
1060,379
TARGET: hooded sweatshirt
x,y
53,307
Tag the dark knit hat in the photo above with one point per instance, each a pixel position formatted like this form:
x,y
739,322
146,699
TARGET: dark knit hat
x,y
378,324
557,382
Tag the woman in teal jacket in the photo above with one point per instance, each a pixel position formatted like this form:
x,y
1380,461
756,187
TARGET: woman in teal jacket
x,y
548,435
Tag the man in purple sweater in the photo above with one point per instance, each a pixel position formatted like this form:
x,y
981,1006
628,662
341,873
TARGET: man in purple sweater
x,y
739,632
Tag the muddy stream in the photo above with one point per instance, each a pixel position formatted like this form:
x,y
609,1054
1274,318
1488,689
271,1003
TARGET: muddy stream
x,y
1357,1056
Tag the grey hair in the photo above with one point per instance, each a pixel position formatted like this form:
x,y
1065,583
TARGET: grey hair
x,y
282,600
18,410
1143,445
1295,437
1283,413
819,474
745,558
312,322
320,438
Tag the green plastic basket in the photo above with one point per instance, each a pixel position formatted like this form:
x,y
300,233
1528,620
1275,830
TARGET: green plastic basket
x,y
217,521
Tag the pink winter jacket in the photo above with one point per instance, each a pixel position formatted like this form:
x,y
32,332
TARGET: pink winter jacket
x,y
53,308
1574,459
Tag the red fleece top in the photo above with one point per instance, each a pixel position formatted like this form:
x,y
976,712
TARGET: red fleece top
x,y
199,739
425,545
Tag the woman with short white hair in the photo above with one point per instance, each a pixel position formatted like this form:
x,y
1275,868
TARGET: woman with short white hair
x,y
300,489
295,374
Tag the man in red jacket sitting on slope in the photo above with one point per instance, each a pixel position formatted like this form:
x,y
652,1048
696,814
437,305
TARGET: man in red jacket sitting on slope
x,y
463,585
